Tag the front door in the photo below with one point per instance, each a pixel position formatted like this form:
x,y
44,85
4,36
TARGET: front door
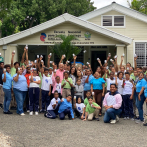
x,y
97,54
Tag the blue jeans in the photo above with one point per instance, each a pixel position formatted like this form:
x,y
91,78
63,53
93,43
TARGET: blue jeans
x,y
34,98
20,98
140,105
111,114
64,113
7,99
45,99
52,113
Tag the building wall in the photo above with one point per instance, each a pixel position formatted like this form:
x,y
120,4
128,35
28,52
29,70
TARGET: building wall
x,y
135,29
96,38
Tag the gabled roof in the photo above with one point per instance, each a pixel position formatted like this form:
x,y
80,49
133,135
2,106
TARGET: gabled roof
x,y
66,18
117,7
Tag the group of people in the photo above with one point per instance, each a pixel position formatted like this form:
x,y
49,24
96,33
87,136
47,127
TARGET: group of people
x,y
74,90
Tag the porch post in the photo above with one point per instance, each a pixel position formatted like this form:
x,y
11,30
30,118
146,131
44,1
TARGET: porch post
x,y
120,51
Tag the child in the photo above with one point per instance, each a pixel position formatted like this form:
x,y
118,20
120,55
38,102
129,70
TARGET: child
x,y
56,84
34,92
88,94
65,108
128,92
52,109
46,89
50,72
79,108
92,110
79,89
66,85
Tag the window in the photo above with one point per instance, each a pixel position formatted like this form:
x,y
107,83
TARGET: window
x,y
118,20
113,21
140,51
107,20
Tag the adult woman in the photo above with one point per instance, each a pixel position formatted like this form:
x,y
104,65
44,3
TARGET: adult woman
x,y
7,85
20,90
98,87
141,98
79,76
73,75
87,79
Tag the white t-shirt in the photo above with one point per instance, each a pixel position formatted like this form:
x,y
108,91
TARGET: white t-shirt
x,y
80,107
120,88
58,87
111,100
32,84
127,87
53,102
46,82
109,82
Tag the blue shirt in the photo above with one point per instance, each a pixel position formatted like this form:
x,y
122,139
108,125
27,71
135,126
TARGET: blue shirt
x,y
97,83
65,105
87,86
145,91
8,83
140,84
21,84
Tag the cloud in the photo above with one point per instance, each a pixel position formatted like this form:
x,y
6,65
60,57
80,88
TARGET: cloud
x,y
103,3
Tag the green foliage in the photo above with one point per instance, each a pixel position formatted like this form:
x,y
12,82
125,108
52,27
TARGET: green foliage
x,y
139,5
66,47
24,14
4,7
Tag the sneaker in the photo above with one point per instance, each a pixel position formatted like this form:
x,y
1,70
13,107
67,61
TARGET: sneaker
x,y
1,106
145,124
22,114
128,118
31,113
113,121
36,113
132,119
28,111
42,111
117,118
97,119
9,112
138,121
125,118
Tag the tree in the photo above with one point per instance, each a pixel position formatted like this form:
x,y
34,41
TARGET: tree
x,y
139,5
4,7
25,14
66,47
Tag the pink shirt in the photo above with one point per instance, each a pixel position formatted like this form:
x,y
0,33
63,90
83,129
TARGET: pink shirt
x,y
54,84
60,74
116,100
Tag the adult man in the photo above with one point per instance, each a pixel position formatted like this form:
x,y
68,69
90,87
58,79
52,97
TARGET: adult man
x,y
1,85
112,103
60,71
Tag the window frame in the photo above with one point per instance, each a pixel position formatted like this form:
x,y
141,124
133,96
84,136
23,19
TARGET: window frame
x,y
134,43
113,21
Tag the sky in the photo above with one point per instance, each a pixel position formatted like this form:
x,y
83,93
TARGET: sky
x,y
102,3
